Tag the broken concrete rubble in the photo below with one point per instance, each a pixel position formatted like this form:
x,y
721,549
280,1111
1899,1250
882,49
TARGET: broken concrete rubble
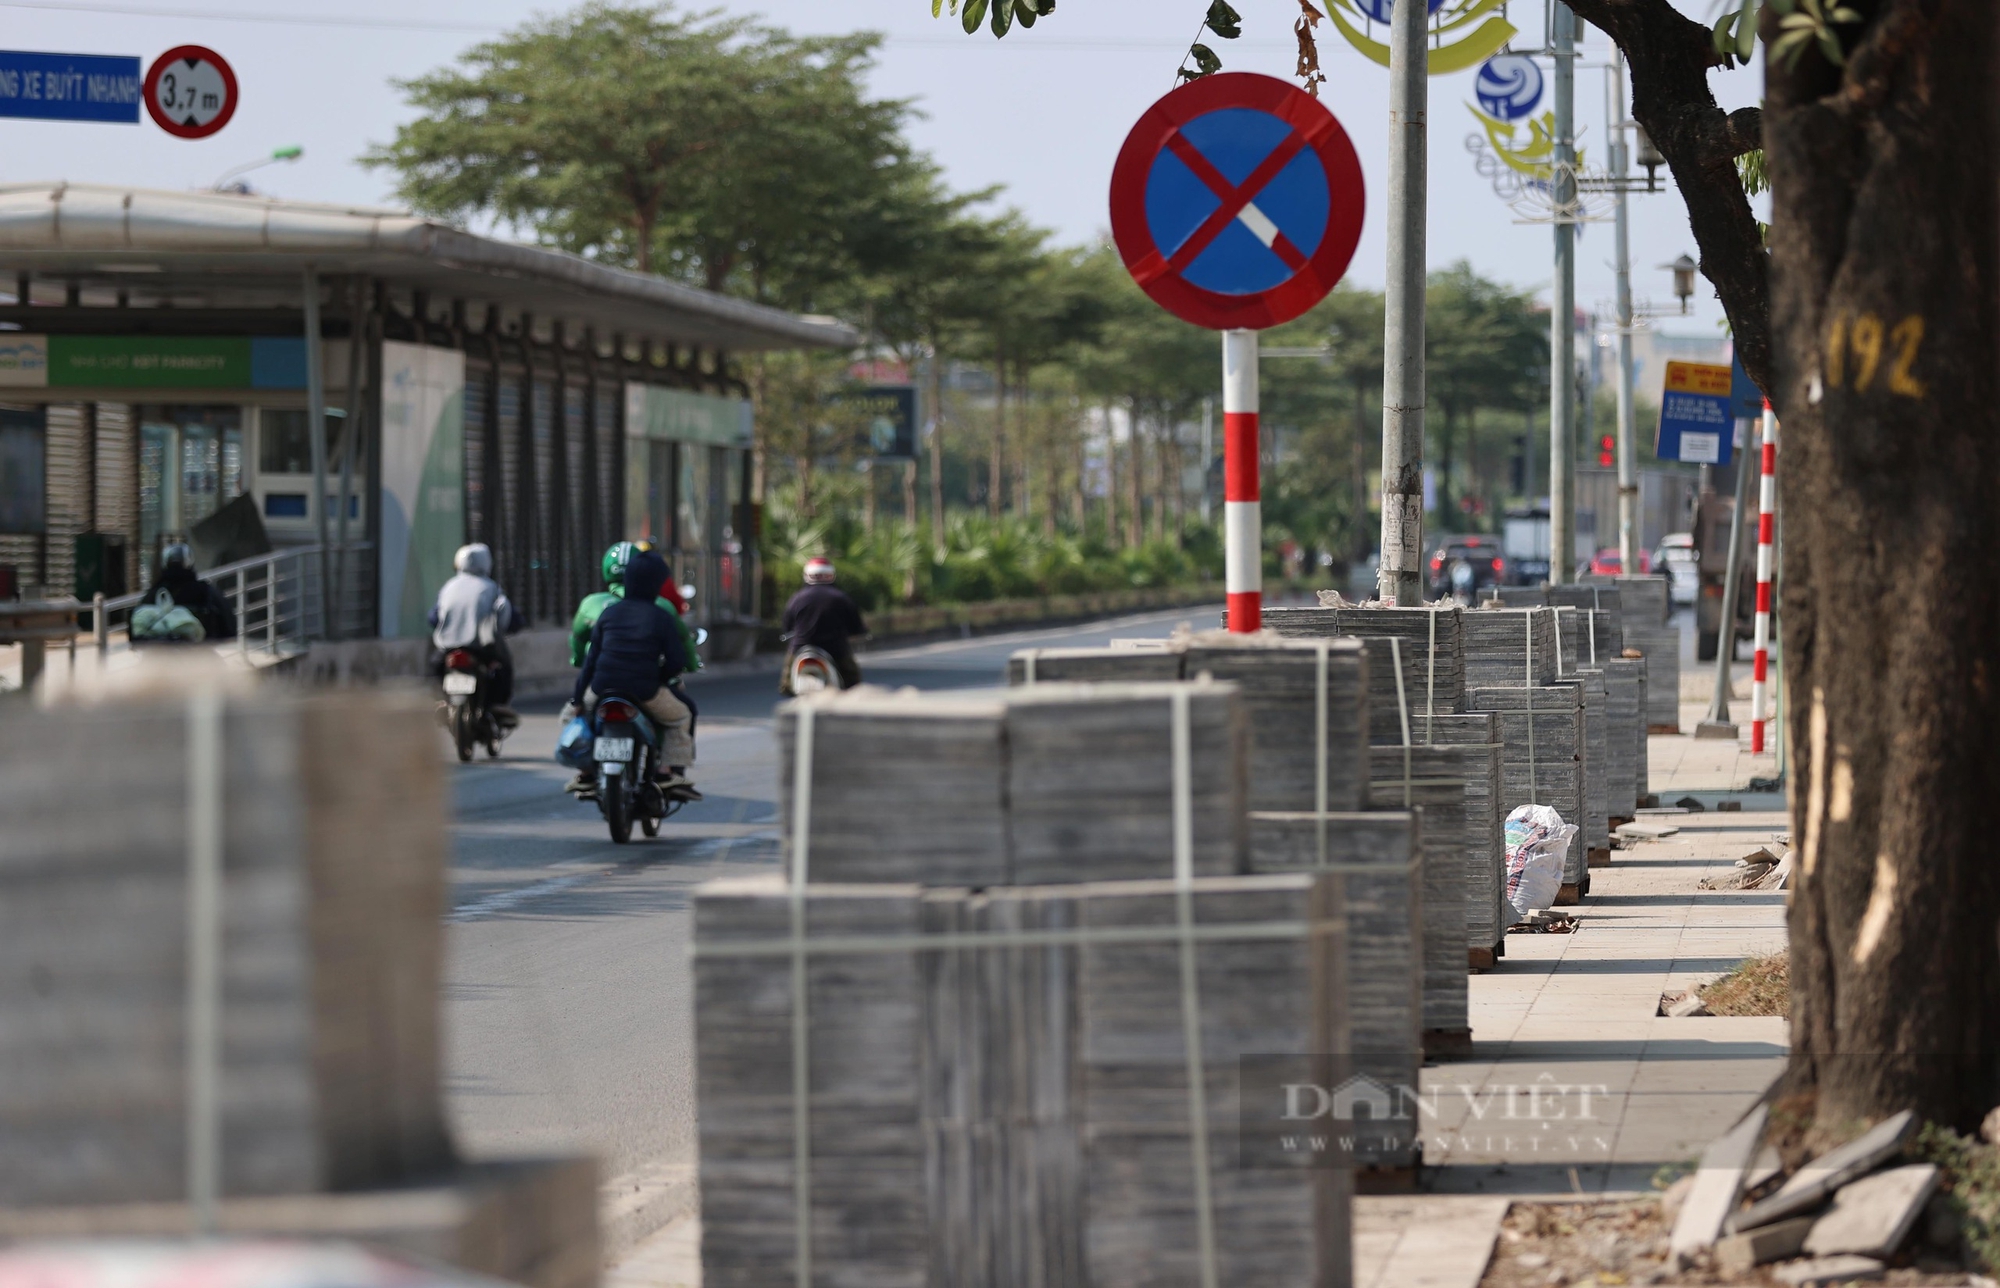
x,y
1871,1216
1811,1184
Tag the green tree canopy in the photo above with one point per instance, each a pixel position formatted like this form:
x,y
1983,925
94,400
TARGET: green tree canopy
x,y
712,149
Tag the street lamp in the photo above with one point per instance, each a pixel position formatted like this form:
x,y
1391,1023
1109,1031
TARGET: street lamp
x,y
1683,270
230,180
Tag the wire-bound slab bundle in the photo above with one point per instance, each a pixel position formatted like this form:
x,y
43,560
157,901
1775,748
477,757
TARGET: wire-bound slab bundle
x,y
1600,599
1661,647
1542,733
1091,776
1303,701
1434,779
1476,735
1422,648
1510,646
905,786
1053,782
1030,1085
1046,665
1306,704
326,834
1646,599
1379,857
1625,685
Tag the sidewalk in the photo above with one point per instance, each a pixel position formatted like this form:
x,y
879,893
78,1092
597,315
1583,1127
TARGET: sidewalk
x,y
1575,1084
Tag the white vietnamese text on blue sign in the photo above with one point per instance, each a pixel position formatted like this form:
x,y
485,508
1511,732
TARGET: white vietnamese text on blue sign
x,y
69,87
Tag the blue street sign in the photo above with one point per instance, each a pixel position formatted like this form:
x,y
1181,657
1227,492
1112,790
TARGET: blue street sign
x,y
1746,400
70,87
1695,414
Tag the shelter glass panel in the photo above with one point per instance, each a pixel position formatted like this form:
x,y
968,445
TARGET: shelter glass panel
x,y
23,471
190,465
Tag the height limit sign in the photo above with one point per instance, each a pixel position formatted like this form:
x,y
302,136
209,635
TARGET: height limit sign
x,y
1236,204
190,92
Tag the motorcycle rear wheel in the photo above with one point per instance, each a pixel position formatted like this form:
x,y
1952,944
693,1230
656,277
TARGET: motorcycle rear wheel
x,y
618,805
464,730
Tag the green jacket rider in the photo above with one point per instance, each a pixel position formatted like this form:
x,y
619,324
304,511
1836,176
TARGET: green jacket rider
x,y
587,611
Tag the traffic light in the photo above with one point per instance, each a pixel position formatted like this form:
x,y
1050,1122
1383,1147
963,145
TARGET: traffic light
x,y
1607,451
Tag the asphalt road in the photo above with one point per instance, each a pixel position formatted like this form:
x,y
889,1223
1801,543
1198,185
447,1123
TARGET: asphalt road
x,y
567,984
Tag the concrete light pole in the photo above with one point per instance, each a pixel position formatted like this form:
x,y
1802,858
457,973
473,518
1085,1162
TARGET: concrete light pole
x,y
1628,480
1562,307
1399,578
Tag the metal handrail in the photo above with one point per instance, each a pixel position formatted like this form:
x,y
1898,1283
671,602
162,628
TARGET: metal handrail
x,y
276,596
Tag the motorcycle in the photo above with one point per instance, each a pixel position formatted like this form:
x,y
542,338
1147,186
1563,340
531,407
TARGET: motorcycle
x,y
466,712
625,748
812,671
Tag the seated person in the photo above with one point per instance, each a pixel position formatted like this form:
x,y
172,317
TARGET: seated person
x,y
474,614
635,653
177,579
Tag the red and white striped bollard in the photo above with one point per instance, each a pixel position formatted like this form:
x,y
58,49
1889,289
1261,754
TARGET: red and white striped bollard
x,y
1242,510
1767,496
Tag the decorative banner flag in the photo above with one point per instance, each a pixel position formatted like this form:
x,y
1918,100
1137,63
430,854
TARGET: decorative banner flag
x,y
1463,32
1509,86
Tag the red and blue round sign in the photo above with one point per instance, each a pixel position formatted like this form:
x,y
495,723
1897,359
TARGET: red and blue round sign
x,y
1237,201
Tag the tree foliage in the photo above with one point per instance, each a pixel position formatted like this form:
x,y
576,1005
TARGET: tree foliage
x,y
712,149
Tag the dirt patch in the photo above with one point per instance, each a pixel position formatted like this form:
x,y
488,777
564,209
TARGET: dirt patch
x,y
1584,1244
1760,986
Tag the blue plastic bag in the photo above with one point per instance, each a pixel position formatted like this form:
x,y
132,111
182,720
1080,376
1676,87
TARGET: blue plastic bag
x,y
573,744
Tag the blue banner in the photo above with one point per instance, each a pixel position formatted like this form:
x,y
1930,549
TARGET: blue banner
x,y
70,87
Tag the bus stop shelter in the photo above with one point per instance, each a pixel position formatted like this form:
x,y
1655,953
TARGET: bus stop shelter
x,y
162,356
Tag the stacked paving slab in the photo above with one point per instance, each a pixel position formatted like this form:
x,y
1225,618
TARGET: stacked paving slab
x,y
1464,856
330,950
988,1026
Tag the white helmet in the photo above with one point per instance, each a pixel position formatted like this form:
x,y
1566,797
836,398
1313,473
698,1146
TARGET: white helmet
x,y
476,559
819,571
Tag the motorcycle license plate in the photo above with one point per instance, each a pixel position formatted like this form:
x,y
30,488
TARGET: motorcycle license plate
x,y
460,682
617,749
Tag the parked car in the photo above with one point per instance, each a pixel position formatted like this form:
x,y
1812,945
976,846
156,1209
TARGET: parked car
x,y
1608,562
1681,563
1466,565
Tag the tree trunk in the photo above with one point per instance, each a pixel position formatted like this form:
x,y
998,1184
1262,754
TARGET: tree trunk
x,y
996,465
937,451
1082,498
1886,276
1135,513
1447,511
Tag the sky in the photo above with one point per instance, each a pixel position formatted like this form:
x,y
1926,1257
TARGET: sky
x,y
1041,113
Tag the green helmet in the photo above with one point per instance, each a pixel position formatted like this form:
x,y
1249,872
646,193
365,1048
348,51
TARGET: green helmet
x,y
615,560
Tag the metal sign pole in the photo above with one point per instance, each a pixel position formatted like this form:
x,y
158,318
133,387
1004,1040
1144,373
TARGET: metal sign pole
x,y
1399,576
1562,311
1242,507
1766,507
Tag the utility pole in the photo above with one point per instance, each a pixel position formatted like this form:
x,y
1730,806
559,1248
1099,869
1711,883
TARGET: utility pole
x,y
1628,479
1398,579
1562,307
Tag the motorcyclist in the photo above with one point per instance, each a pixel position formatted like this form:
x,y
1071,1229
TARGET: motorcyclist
x,y
822,616
474,614
176,577
613,565
636,653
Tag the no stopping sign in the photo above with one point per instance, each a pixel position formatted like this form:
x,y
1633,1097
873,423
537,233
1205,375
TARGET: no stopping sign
x,y
1237,201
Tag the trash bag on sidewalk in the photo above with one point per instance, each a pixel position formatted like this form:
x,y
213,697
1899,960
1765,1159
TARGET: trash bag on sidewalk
x,y
1538,843
573,744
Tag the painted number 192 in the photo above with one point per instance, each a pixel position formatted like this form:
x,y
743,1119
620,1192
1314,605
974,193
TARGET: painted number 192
x,y
1854,346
